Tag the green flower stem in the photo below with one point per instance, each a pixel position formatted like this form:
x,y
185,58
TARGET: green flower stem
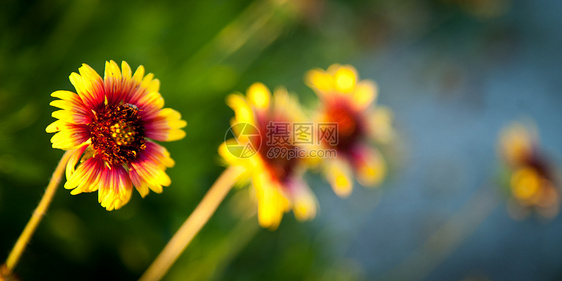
x,y
192,225
38,214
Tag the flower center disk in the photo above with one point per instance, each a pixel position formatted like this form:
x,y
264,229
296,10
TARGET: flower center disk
x,y
117,133
350,125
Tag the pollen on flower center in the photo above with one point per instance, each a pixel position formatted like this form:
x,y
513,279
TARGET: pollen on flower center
x,y
117,133
122,134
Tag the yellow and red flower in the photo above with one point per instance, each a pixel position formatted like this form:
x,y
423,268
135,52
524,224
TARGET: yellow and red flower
x,y
276,178
531,181
345,101
110,125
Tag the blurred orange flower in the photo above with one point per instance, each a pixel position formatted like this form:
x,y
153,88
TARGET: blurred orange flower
x,y
276,178
531,181
348,102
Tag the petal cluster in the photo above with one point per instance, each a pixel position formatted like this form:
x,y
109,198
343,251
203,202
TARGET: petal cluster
x,y
277,180
349,103
111,124
339,138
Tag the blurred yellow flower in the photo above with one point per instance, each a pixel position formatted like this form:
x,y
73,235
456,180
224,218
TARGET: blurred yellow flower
x,y
109,125
347,102
531,179
275,177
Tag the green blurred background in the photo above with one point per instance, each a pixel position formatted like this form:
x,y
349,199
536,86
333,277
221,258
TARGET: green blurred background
x,y
432,59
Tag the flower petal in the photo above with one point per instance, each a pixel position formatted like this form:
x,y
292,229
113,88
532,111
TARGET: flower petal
x,y
149,103
380,125
271,203
148,169
139,74
242,110
166,126
112,71
303,200
228,156
370,165
115,188
71,165
69,101
365,93
86,177
525,184
150,84
338,173
517,143
345,78
126,69
89,86
319,80
70,116
69,136
259,95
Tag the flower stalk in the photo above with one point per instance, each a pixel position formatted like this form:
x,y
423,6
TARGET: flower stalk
x,y
193,224
38,214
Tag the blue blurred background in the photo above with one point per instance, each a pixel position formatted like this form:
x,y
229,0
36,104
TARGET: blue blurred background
x,y
454,72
